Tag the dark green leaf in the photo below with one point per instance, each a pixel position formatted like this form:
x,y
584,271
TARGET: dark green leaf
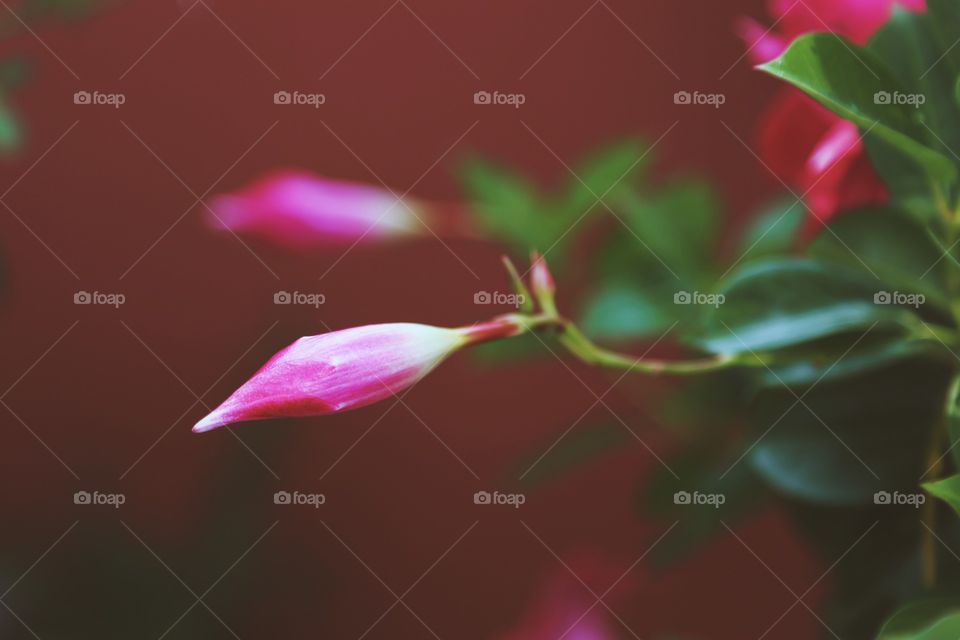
x,y
947,489
676,226
780,303
774,231
934,619
846,78
621,312
889,245
617,166
838,442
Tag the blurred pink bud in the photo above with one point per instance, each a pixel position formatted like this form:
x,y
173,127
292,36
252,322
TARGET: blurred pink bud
x,y
300,210
857,20
347,369
541,280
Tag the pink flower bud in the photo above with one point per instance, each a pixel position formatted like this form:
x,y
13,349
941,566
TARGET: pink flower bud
x,y
347,369
541,280
296,209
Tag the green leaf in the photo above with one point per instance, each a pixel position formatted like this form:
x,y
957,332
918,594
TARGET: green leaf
x,y
623,311
838,442
505,204
933,619
953,432
11,133
919,50
774,231
845,79
947,489
887,244
675,228
617,166
780,303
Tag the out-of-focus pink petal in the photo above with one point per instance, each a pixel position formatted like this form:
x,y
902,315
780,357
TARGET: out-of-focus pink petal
x,y
347,369
818,154
300,210
763,43
788,133
841,144
854,19
564,607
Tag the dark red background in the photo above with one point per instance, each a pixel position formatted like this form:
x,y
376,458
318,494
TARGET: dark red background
x,y
397,100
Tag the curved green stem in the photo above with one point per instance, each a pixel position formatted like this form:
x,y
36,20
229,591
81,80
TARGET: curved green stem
x,y
580,346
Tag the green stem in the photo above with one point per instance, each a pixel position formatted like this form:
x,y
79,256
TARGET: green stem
x,y
580,346
935,456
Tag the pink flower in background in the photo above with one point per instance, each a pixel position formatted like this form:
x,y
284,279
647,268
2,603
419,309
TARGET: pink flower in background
x,y
857,20
564,608
818,155
299,210
812,150
347,369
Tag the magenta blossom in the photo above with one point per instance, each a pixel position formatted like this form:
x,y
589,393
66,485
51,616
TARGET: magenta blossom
x,y
347,369
857,20
299,210
809,148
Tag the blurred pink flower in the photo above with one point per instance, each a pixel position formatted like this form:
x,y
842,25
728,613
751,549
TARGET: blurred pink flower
x,y
812,150
565,609
819,155
347,369
857,20
299,210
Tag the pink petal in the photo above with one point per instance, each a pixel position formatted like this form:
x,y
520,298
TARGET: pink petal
x,y
763,43
337,371
854,19
299,210
348,369
788,133
841,143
